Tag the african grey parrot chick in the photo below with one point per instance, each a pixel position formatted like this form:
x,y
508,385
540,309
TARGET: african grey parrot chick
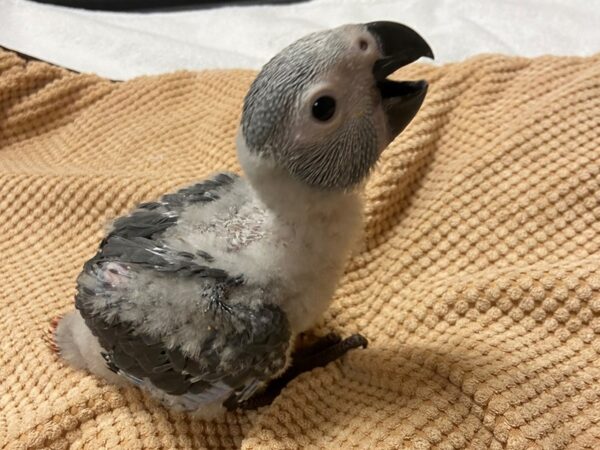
x,y
198,297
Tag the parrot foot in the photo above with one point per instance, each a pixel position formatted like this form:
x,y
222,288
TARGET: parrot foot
x,y
49,336
308,344
325,350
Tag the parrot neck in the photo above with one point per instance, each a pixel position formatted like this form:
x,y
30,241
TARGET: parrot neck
x,y
289,198
293,202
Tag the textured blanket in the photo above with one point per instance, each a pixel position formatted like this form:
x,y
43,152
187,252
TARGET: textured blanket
x,y
477,280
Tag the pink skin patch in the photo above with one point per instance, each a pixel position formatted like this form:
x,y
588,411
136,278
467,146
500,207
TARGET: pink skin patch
x,y
114,273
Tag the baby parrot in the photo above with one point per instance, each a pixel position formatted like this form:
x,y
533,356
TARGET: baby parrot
x,y
198,297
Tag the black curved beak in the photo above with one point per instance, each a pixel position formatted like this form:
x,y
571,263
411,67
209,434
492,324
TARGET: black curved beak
x,y
399,46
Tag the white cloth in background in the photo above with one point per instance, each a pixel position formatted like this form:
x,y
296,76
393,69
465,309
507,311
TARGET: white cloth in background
x,y
124,45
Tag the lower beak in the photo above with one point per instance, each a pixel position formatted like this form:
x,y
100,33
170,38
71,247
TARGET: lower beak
x,y
399,46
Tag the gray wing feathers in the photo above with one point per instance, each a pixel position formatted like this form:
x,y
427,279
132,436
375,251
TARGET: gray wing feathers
x,y
240,345
249,344
155,217
152,254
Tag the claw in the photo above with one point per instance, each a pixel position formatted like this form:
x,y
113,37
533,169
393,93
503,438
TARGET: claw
x,y
355,341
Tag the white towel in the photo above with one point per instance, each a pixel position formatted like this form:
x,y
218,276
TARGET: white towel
x,y
124,45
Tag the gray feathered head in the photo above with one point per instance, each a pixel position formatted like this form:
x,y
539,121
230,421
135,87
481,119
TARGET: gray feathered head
x,y
323,110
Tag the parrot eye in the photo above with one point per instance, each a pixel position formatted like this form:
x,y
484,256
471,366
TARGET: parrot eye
x,y
323,108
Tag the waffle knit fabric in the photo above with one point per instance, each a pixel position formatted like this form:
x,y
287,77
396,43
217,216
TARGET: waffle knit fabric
x,y
477,280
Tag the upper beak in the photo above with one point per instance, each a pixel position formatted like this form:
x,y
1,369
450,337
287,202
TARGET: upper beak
x,y
399,45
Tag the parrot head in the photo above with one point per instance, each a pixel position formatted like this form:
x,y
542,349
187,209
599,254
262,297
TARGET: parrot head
x,y
323,110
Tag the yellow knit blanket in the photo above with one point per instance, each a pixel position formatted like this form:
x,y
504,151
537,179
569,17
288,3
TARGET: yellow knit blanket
x,y
477,281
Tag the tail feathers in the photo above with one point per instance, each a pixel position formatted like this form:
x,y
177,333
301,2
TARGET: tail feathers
x,y
68,335
76,344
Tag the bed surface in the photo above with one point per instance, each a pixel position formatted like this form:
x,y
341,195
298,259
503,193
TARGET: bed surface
x,y
476,281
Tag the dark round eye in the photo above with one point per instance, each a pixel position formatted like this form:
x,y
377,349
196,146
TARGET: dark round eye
x,y
364,45
323,108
